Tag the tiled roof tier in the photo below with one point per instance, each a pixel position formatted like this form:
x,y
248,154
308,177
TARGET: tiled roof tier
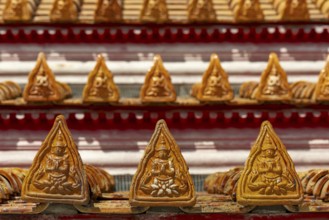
x,y
225,10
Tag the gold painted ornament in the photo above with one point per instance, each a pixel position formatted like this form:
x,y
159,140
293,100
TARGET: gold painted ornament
x,y
57,174
248,11
154,11
162,177
214,86
294,10
157,87
18,10
42,85
201,11
269,177
65,11
273,84
100,86
108,11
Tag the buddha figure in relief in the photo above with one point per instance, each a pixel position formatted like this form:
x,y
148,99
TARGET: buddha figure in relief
x,y
162,177
108,11
57,175
201,11
268,176
18,11
157,86
41,86
64,11
163,174
274,84
154,11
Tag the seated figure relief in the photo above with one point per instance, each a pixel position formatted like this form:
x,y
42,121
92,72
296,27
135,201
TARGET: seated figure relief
x,y
100,86
295,10
248,10
214,86
18,11
273,84
201,11
108,11
57,173
269,176
64,11
157,86
154,11
162,177
42,85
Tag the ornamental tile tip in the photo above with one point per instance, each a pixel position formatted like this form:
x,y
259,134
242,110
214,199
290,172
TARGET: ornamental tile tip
x,y
162,177
269,176
18,11
100,87
247,11
108,11
273,84
154,11
57,174
42,85
157,87
293,10
215,86
65,11
201,11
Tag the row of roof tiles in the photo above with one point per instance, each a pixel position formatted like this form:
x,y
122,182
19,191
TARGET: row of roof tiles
x,y
163,11
42,86
58,176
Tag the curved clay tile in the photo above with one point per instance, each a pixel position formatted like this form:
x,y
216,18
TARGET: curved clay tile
x,y
99,181
302,90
